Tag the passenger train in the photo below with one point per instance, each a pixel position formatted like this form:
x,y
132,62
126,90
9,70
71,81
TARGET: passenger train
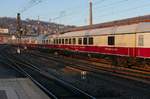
x,y
123,39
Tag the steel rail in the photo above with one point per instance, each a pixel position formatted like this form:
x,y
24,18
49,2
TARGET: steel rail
x,y
89,68
31,66
19,69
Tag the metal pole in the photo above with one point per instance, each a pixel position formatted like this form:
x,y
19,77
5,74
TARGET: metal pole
x,y
18,31
18,24
38,25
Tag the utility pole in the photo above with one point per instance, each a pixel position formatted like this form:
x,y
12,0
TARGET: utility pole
x,y
90,13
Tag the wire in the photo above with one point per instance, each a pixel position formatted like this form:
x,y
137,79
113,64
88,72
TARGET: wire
x,y
95,5
118,12
126,10
103,9
111,4
31,4
77,7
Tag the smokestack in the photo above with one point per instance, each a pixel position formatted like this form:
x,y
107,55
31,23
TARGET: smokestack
x,y
90,13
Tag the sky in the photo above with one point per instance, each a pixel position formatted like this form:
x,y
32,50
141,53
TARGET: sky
x,y
74,12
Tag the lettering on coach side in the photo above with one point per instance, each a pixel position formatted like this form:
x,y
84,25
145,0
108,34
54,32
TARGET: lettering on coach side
x,y
111,49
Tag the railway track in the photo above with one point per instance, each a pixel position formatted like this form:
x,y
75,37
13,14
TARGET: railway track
x,y
32,60
54,87
92,72
133,74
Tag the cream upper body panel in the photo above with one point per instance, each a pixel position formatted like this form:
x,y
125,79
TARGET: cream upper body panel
x,y
125,36
133,28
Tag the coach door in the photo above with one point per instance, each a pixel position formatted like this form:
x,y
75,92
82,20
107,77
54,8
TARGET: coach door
x,y
140,41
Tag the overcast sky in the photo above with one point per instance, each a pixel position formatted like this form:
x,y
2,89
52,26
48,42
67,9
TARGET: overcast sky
x,y
74,12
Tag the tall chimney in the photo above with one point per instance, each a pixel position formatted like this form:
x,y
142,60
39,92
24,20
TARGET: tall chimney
x,y
90,13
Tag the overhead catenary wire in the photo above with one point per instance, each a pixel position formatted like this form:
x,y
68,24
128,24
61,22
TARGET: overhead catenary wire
x,y
77,11
104,5
112,8
31,4
95,5
123,11
110,4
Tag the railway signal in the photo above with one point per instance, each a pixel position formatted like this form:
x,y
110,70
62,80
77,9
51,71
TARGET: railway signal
x,y
19,32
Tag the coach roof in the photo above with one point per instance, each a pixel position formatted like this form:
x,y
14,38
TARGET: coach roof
x,y
128,21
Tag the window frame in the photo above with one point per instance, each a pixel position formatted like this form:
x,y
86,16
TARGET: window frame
x,y
63,41
59,40
66,41
85,41
89,41
141,40
80,41
47,41
70,41
54,41
73,40
111,40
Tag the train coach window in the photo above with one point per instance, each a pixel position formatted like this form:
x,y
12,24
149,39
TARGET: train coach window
x,y
66,41
59,41
69,41
85,41
141,40
74,40
46,41
111,40
54,41
91,41
62,41
80,41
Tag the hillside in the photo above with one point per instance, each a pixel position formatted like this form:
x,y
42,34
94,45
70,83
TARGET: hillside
x,y
31,26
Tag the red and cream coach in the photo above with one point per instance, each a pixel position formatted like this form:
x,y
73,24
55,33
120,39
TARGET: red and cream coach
x,y
123,38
